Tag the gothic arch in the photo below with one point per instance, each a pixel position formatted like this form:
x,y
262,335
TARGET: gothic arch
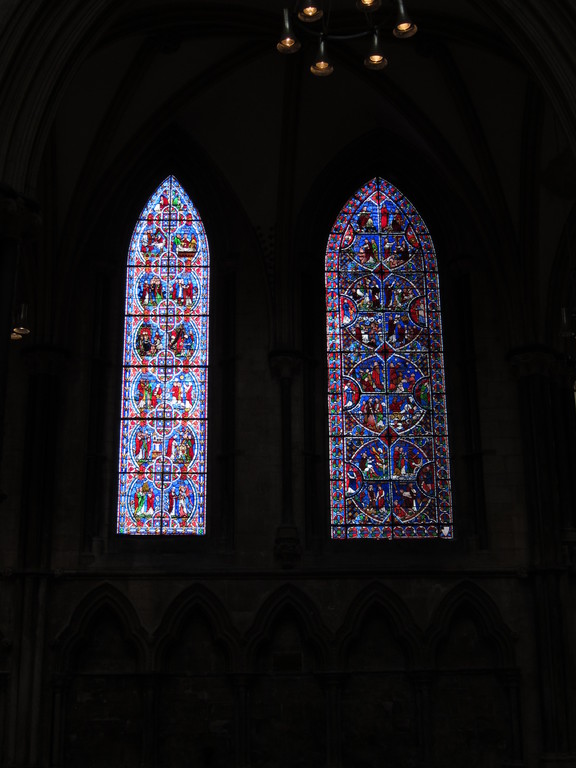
x,y
163,423
287,647
100,676
404,629
288,600
104,599
473,602
65,50
471,651
380,655
196,649
461,243
174,149
388,431
197,599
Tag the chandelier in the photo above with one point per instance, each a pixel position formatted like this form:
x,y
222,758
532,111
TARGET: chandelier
x,y
308,13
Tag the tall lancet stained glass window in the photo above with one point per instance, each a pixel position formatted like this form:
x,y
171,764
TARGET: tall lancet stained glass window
x,y
389,464
163,432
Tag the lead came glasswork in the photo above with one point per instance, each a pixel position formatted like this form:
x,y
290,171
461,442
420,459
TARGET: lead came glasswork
x,y
389,461
162,488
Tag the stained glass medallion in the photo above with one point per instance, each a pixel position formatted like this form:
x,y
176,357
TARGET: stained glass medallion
x,y
162,486
388,437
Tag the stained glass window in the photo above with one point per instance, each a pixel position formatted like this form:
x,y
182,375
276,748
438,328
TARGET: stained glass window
x,y
389,463
162,488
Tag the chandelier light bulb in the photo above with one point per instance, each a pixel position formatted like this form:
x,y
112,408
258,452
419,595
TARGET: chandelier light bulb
x,y
310,12
288,42
375,59
368,5
322,66
21,321
404,25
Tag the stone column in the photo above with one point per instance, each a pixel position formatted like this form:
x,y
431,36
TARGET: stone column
x,y
150,692
18,222
510,681
287,550
241,684
46,373
423,681
546,408
332,683
60,693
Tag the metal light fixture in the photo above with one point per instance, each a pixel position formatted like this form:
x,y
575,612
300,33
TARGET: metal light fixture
x,y
368,5
288,42
21,322
322,66
309,12
370,25
375,59
404,25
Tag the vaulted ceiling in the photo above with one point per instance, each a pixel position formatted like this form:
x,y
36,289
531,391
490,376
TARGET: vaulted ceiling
x,y
475,118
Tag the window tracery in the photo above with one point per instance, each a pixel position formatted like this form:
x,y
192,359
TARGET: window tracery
x,y
388,436
163,433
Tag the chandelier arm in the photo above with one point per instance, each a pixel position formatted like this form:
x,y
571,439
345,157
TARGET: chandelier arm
x,y
324,32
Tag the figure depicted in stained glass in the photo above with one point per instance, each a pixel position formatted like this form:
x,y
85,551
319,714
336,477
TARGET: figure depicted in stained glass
x,y
389,467
163,424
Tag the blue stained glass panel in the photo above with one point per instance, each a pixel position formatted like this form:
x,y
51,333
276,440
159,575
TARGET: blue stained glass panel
x,y
163,430
388,440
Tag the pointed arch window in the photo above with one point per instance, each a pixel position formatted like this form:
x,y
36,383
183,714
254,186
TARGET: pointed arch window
x,y
163,432
388,437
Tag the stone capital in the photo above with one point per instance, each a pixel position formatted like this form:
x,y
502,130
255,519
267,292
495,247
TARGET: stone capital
x,y
287,550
